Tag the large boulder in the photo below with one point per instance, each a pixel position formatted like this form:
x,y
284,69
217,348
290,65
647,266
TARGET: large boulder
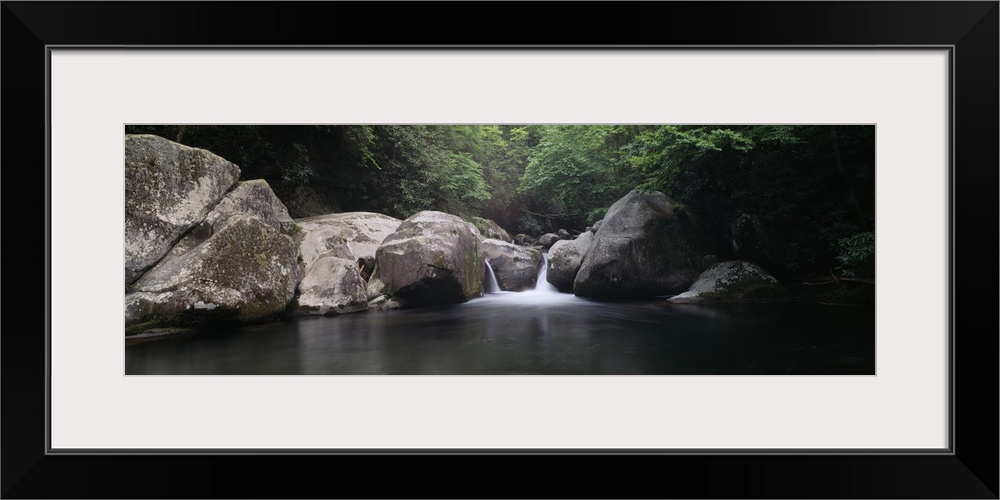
x,y
326,244
253,198
350,235
490,229
647,245
245,272
332,286
565,258
248,198
516,267
432,258
734,281
168,189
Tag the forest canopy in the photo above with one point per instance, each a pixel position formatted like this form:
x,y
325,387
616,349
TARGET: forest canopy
x,y
802,196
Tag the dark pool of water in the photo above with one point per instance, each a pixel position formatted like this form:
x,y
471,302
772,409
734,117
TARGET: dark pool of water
x,y
533,333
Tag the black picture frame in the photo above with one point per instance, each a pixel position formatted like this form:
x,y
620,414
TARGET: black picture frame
x,y
970,28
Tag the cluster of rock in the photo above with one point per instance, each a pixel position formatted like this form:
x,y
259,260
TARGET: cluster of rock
x,y
202,247
543,242
648,245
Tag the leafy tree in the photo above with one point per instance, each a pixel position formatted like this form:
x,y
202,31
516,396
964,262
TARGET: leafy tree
x,y
856,255
808,185
458,184
573,172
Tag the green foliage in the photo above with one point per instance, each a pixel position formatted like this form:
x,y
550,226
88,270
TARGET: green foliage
x,y
458,182
404,169
661,154
574,169
856,255
808,185
293,164
528,224
595,215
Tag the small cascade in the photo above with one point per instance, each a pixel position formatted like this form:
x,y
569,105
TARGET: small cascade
x,y
491,286
544,294
542,284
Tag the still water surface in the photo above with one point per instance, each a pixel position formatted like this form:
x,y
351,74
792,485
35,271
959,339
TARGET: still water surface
x,y
538,332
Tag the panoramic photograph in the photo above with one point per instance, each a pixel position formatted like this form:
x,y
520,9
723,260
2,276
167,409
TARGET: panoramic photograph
x,y
540,249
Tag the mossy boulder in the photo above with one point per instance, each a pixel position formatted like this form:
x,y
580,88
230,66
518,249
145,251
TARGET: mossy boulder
x,y
516,267
168,189
332,286
565,258
734,281
646,245
253,197
245,272
432,258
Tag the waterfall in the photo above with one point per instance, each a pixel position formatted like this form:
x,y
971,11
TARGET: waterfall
x,y
491,286
542,284
544,294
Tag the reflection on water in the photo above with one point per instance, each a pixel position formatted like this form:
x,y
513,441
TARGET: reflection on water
x,y
535,332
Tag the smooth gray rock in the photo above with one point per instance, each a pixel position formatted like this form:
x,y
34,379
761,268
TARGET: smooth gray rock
x,y
564,234
548,239
516,267
332,286
733,281
169,188
349,235
565,258
647,245
489,229
245,272
432,258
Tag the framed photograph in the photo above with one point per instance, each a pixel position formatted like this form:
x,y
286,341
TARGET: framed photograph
x,y
916,418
